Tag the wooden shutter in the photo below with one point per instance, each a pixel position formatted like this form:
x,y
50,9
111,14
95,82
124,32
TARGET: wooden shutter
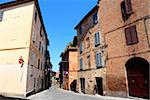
x,y
128,36
128,6
98,60
133,33
95,39
95,20
81,63
81,48
98,39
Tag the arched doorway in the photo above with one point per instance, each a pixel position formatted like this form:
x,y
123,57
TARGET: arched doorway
x,y
138,77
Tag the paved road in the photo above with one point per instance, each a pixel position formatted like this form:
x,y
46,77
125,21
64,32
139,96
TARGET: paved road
x,y
58,94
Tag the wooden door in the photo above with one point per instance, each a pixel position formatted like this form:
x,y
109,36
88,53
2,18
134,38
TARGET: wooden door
x,y
138,77
138,83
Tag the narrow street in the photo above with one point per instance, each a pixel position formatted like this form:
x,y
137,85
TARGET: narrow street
x,y
59,94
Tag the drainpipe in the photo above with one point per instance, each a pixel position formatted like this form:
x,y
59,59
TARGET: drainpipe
x,y
148,17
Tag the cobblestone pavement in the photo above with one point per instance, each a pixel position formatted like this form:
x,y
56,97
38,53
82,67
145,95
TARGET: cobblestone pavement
x,y
59,94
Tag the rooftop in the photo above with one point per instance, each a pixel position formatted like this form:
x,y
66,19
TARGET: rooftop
x,y
86,16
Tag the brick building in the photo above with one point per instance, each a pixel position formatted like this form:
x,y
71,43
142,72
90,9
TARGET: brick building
x,y
23,37
68,67
114,49
91,57
125,25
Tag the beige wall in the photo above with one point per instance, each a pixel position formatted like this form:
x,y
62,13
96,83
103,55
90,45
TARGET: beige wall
x,y
15,30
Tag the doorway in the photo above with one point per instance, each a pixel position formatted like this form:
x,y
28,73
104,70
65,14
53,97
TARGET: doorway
x,y
73,85
82,81
99,86
138,77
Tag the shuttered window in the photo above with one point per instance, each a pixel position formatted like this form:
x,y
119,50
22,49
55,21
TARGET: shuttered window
x,y
38,63
128,6
88,61
35,16
1,15
81,64
126,9
81,47
32,58
95,20
97,39
39,46
33,36
99,60
41,31
80,30
131,35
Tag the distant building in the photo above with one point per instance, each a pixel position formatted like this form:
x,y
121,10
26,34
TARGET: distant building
x,y
91,56
23,49
48,71
68,67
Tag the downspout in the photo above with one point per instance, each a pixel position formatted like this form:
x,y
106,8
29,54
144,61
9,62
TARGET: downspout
x,y
148,41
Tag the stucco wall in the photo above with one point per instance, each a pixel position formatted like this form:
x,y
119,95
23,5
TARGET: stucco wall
x,y
15,30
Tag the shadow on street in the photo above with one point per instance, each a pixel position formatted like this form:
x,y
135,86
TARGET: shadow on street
x,y
9,98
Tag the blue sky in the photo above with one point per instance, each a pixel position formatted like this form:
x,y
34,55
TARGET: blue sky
x,y
60,17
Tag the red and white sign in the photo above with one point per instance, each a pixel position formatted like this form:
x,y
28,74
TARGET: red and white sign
x,y
20,60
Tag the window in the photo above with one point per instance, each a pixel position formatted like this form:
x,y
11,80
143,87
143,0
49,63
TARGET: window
x,y
87,43
95,20
33,37
81,64
40,46
35,16
32,58
128,6
41,31
99,60
97,39
88,61
80,30
38,63
41,65
1,15
42,50
81,47
126,9
131,35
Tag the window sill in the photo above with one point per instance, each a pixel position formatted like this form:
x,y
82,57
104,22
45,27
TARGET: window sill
x,y
130,44
98,67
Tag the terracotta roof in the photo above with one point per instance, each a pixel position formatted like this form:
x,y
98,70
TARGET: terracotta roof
x,y
18,2
86,16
